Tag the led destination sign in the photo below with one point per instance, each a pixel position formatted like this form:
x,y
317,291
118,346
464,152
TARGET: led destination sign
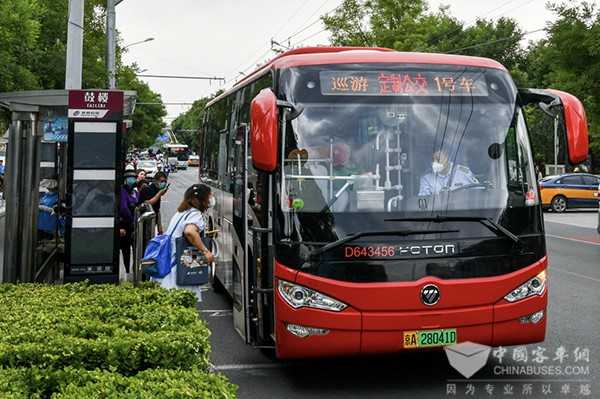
x,y
424,83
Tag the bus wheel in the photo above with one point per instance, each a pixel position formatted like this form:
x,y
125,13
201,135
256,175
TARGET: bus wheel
x,y
559,204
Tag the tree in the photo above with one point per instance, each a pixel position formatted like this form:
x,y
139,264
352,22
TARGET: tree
x,y
402,25
49,51
498,40
20,22
569,60
33,46
407,25
187,126
147,122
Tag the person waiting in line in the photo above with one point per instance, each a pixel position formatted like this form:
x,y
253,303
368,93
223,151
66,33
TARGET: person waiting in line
x,y
140,178
129,200
196,200
444,174
1,174
140,174
152,195
140,185
47,218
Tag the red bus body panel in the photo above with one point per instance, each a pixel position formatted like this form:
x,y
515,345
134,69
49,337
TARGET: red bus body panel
x,y
334,55
576,122
379,313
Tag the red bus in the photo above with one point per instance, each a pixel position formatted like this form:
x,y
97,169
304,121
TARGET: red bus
x,y
371,201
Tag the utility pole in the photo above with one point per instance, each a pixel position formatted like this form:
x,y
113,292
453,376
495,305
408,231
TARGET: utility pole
x,y
111,43
74,45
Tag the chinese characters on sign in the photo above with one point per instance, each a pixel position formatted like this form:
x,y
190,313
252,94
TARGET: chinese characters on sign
x,y
561,371
403,83
95,104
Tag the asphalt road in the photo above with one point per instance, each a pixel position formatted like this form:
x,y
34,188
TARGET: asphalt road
x,y
566,365
573,323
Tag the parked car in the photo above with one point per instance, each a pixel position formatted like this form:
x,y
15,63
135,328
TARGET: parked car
x,y
150,166
571,190
194,160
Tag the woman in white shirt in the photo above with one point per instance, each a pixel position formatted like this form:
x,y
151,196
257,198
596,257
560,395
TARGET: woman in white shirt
x,y
189,220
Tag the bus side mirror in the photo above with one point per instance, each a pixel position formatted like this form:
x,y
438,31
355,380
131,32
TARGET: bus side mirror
x,y
575,126
263,131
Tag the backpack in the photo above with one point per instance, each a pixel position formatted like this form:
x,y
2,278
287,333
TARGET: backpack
x,y
157,257
157,261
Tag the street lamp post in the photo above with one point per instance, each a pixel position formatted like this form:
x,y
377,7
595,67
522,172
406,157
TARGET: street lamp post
x,y
111,42
141,41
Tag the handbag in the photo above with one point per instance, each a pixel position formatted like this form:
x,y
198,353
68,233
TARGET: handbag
x,y
192,268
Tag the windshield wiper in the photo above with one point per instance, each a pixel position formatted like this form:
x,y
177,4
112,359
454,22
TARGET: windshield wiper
x,y
487,222
352,237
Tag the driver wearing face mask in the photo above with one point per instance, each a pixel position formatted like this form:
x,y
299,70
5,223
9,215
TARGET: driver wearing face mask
x,y
444,174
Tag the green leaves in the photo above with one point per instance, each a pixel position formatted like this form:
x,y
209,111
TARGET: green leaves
x,y
33,46
79,340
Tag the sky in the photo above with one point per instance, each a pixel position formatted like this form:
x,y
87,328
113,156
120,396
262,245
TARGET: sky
x,y
225,39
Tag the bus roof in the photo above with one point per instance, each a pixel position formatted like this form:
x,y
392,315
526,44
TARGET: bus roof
x,y
342,55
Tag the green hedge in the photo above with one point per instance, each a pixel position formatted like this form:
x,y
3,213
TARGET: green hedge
x,y
104,341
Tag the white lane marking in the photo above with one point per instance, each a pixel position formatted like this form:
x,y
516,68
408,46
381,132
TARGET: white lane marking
x,y
571,224
573,239
574,274
217,312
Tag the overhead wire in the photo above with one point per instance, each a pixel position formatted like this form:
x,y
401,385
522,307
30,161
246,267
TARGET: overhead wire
x,y
459,31
236,71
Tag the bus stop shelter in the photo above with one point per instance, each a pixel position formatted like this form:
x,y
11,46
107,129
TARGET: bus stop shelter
x,y
23,158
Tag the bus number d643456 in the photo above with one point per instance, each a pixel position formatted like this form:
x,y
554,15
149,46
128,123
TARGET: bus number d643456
x,y
369,251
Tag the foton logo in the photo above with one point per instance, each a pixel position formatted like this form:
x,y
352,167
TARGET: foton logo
x,y
430,295
447,249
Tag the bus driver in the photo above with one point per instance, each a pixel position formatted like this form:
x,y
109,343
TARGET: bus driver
x,y
444,174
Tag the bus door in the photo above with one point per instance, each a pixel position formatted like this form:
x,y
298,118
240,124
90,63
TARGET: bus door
x,y
241,289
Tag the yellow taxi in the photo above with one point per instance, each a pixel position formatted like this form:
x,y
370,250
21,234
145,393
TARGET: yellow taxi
x,y
571,190
194,160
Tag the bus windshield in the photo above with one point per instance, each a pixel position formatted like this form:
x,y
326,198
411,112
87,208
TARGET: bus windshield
x,y
179,151
462,148
177,155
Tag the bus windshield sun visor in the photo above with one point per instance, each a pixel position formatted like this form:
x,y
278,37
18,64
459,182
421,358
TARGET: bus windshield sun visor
x,y
487,222
352,237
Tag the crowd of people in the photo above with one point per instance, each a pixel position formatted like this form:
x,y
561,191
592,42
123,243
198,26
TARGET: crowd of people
x,y
136,190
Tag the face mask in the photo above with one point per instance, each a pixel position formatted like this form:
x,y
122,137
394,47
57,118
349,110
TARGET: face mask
x,y
437,167
162,185
211,201
129,181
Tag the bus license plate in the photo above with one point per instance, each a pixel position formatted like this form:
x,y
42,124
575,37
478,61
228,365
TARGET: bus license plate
x,y
429,338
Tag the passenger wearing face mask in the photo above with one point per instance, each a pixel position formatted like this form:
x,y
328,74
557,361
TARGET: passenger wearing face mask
x,y
129,200
47,219
444,175
152,195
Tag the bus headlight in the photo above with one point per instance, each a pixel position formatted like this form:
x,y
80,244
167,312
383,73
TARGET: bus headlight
x,y
298,296
535,286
